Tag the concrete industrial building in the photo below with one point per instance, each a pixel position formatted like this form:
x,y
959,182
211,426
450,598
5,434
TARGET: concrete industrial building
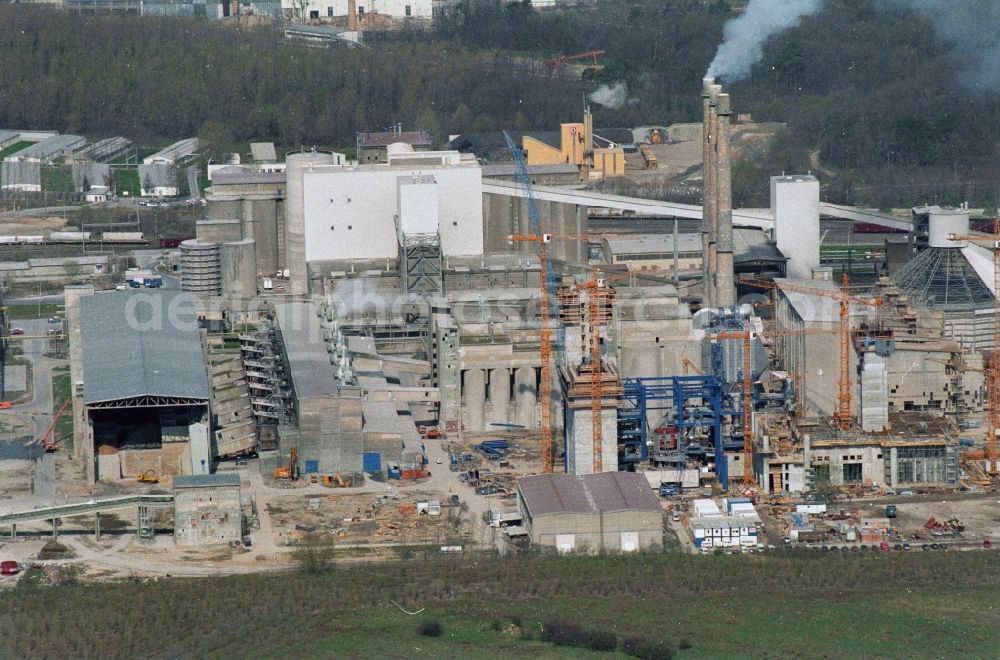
x,y
207,509
576,146
144,386
373,148
609,512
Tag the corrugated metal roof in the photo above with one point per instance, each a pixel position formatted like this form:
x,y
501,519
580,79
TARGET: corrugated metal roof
x,y
140,344
203,480
51,147
606,492
308,360
753,245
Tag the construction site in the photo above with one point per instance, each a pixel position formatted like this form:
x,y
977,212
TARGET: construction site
x,y
380,354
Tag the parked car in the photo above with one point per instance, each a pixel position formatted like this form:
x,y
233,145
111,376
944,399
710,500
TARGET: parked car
x,y
440,461
9,567
890,511
55,319
17,331
52,331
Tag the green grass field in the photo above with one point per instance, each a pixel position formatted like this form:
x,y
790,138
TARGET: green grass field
x,y
887,606
14,148
60,392
42,311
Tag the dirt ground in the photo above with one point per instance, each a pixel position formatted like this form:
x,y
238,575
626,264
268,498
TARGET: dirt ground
x,y
363,518
30,226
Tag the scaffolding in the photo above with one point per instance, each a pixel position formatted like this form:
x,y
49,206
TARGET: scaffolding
x,y
422,264
266,376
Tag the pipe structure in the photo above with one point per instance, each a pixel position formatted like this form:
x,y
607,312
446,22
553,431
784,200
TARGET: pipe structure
x,y
725,290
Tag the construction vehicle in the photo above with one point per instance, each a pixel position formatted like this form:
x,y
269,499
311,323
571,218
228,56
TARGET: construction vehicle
x,y
148,477
5,405
289,471
47,444
648,157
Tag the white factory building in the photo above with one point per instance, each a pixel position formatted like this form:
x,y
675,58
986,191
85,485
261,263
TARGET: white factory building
x,y
363,214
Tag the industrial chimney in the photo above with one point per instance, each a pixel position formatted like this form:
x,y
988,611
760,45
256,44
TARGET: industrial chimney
x,y
708,93
725,290
352,15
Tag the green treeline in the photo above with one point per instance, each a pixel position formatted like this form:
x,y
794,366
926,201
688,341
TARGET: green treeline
x,y
869,92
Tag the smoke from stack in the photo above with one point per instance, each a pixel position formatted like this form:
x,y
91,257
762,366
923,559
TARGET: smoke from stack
x,y
613,97
743,37
968,26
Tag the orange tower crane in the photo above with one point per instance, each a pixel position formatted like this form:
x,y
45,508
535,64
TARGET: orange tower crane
x,y
991,363
545,349
843,415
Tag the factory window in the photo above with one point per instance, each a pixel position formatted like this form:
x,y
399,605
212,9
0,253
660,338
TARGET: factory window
x,y
852,473
350,227
314,14
361,10
331,227
348,200
454,224
407,10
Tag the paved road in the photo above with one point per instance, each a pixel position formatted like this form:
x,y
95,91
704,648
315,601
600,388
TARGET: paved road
x,y
39,408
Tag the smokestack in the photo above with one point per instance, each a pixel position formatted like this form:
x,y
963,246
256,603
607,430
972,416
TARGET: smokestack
x,y
352,15
708,188
588,140
725,278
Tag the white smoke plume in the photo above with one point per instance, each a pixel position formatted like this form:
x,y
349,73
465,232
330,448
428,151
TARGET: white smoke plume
x,y
968,26
743,37
612,97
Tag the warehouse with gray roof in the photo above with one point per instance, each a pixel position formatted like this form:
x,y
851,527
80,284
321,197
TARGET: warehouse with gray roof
x,y
144,384
593,513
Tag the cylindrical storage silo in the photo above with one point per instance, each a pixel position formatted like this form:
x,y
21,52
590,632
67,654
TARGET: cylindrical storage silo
x,y
239,269
945,222
295,224
525,396
201,267
473,399
500,395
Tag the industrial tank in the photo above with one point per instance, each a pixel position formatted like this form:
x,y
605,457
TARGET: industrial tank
x,y
239,268
201,267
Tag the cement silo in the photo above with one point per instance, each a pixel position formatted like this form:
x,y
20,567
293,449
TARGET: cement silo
x,y
201,267
954,278
239,268
295,226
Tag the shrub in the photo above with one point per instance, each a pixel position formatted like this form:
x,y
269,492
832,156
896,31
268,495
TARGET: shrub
x,y
563,633
648,649
684,644
600,640
430,628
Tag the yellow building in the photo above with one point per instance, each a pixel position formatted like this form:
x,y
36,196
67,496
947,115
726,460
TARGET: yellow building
x,y
576,147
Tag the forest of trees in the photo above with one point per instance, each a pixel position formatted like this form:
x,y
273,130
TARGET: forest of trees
x,y
872,91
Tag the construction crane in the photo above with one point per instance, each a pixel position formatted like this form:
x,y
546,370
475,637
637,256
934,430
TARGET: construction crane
x,y
48,446
557,62
548,287
843,415
991,363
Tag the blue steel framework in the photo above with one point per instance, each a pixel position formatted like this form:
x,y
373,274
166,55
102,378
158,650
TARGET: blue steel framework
x,y
642,395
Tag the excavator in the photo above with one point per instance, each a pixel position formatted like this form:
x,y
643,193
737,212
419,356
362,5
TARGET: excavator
x,y
148,477
288,472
